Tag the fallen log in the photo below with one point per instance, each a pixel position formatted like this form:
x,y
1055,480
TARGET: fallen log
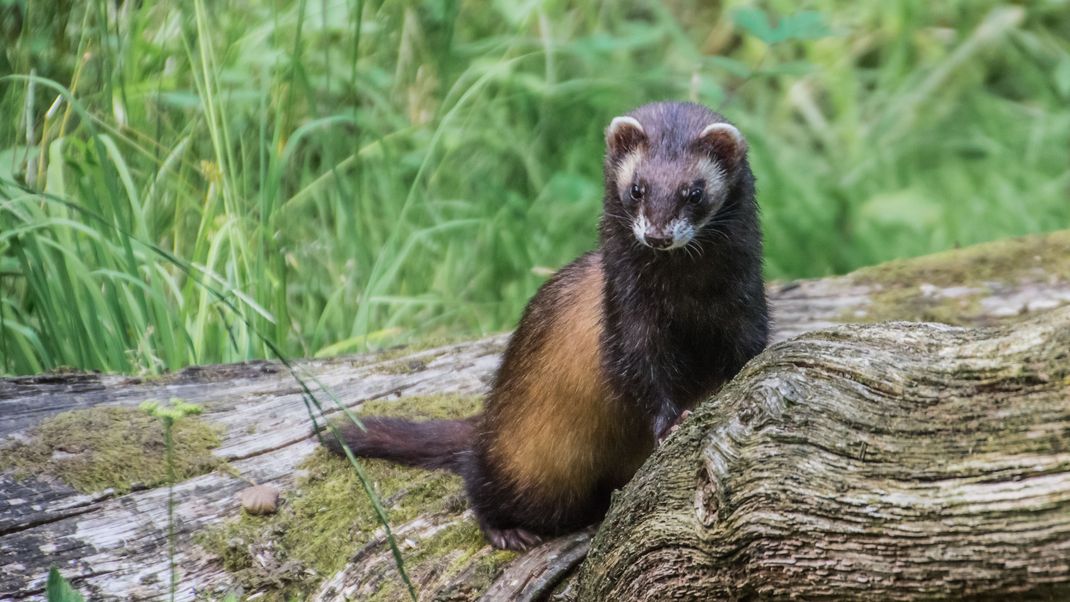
x,y
896,461
112,542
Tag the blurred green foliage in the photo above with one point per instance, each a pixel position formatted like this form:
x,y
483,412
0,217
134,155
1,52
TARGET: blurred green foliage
x,y
357,174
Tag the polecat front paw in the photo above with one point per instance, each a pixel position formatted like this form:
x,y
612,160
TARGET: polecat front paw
x,y
674,426
515,539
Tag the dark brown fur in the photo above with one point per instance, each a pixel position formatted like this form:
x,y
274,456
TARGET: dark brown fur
x,y
610,350
430,444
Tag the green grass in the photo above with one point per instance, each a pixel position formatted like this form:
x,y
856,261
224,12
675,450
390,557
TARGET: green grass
x,y
354,175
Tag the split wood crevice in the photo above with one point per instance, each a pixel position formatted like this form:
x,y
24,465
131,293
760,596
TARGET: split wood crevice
x,y
893,461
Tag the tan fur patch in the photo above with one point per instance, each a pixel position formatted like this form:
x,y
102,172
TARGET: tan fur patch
x,y
560,434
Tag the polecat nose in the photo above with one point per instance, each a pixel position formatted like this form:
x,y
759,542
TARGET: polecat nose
x,y
658,242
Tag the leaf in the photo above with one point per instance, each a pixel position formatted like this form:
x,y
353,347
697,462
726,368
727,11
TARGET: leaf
x,y
13,161
803,25
755,22
180,99
59,590
54,181
1062,77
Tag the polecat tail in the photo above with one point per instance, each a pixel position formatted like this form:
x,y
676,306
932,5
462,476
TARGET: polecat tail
x,y
428,444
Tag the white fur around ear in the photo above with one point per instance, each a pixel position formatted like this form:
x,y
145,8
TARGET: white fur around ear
x,y
623,121
724,141
624,134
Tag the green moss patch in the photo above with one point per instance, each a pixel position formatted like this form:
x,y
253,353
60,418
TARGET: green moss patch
x,y
989,262
92,449
459,550
327,517
948,287
404,366
425,407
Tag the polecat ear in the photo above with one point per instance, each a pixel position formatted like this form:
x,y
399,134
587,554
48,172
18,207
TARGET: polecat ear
x,y
724,142
624,135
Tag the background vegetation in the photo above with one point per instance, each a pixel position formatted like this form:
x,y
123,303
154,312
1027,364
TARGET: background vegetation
x,y
340,175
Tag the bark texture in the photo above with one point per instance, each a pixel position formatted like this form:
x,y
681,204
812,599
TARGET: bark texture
x,y
889,462
907,460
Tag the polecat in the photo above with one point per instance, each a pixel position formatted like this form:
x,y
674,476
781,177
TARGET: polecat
x,y
616,345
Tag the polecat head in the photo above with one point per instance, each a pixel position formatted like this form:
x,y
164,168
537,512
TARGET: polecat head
x,y
669,170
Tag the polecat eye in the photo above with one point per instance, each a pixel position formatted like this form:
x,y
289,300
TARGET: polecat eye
x,y
694,195
637,192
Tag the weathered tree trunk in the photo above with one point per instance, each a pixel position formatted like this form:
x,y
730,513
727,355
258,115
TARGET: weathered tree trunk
x,y
882,462
890,461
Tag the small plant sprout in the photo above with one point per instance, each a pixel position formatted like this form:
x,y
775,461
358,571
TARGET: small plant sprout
x,y
172,411
169,414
